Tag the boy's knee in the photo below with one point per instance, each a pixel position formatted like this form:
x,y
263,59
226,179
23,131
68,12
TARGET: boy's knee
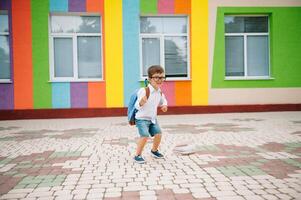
x,y
144,137
156,134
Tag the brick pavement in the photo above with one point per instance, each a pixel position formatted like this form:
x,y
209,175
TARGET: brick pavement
x,y
234,156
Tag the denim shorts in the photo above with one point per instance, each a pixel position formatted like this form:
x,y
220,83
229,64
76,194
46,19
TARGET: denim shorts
x,y
146,128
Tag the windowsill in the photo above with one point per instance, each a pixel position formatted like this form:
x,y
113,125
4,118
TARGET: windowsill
x,y
171,79
75,81
5,81
248,78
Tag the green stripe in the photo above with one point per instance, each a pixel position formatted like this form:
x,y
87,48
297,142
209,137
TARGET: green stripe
x,y
285,47
148,7
40,58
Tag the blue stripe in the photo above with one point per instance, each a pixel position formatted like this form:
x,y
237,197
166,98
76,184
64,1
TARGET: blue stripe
x,y
131,70
60,91
58,5
61,95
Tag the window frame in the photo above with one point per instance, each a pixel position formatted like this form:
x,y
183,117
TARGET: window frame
x,y
74,37
4,12
161,37
245,35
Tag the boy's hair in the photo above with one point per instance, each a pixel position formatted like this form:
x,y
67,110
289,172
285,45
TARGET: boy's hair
x,y
154,69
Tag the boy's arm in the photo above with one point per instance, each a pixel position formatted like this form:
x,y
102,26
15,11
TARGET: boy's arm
x,y
163,103
140,95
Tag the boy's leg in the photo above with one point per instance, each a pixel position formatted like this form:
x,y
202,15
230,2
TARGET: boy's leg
x,y
155,131
157,141
143,126
140,145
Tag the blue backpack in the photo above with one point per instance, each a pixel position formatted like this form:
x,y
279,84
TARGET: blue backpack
x,y
131,106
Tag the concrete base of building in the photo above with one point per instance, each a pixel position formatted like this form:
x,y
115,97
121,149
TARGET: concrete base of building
x,y
109,112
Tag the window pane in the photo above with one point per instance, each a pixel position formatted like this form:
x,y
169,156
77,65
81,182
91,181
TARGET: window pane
x,y
151,25
150,53
234,56
174,25
175,56
3,23
87,24
72,24
4,58
256,24
63,57
89,57
62,24
234,24
258,55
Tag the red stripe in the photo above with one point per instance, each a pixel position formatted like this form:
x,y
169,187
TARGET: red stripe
x,y
22,55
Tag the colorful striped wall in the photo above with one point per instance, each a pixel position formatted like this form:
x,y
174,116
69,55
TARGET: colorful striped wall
x,y
174,90
31,88
78,95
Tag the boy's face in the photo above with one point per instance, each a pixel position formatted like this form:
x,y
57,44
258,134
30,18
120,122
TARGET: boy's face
x,y
157,80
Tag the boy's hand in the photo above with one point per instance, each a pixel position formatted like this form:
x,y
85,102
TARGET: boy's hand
x,y
143,101
164,108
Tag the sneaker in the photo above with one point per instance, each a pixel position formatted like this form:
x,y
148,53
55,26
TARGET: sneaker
x,y
139,159
156,154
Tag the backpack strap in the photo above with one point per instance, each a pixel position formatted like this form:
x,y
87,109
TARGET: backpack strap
x,y
147,91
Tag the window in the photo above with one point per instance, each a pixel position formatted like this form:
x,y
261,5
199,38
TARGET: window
x,y
4,49
164,41
75,48
247,46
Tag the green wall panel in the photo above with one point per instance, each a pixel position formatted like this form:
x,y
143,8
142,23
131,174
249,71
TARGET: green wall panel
x,y
148,7
40,57
285,48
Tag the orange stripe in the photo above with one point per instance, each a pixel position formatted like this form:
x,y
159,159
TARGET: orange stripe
x,y
182,6
94,6
183,88
96,95
97,90
22,54
183,93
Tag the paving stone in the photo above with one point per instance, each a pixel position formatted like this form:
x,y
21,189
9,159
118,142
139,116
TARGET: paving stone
x,y
283,196
259,192
108,194
269,197
253,197
222,193
231,198
201,194
244,192
155,187
14,196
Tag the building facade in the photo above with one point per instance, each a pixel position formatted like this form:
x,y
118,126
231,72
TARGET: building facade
x,y
94,53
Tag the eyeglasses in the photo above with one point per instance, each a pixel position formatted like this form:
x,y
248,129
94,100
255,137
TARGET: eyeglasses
x,y
161,78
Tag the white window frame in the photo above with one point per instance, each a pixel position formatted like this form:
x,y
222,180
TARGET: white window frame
x,y
74,37
161,39
245,35
6,34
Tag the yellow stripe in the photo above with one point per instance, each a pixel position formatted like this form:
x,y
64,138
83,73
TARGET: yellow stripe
x,y
113,53
199,51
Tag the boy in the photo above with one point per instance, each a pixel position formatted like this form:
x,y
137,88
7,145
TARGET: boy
x,y
146,116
